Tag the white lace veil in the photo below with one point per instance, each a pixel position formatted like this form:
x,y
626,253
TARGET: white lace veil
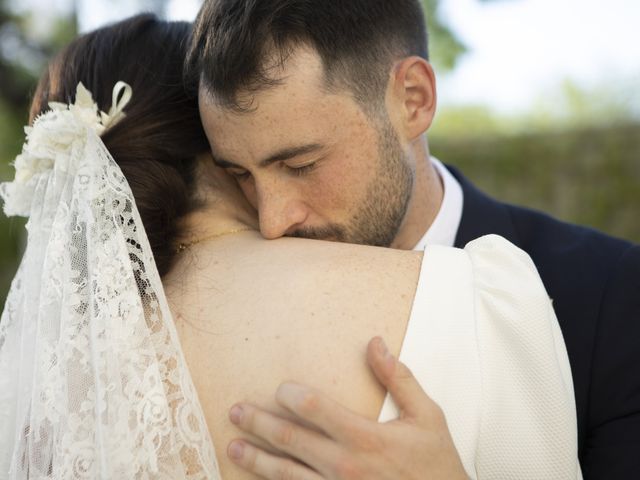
x,y
93,383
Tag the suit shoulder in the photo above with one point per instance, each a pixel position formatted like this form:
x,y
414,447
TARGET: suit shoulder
x,y
554,240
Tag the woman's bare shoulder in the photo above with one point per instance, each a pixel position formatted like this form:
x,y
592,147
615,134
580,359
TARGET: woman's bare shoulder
x,y
345,272
336,258
283,267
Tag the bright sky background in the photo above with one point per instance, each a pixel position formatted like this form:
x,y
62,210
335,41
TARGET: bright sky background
x,y
519,50
522,49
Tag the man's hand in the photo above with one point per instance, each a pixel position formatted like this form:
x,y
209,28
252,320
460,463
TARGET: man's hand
x,y
416,446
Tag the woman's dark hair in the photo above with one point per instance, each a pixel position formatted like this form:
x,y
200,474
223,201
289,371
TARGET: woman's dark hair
x,y
156,143
236,43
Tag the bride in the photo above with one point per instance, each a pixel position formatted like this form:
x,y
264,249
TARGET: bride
x,y
147,304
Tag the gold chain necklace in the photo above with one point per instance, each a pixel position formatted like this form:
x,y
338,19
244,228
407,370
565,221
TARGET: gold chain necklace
x,y
183,246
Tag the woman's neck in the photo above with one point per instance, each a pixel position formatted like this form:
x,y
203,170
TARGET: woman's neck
x,y
216,220
223,208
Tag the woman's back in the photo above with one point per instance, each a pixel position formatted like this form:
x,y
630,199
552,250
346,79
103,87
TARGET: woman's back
x,y
252,313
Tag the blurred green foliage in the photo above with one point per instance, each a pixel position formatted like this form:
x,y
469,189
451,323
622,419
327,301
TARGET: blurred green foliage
x,y
11,229
589,176
575,154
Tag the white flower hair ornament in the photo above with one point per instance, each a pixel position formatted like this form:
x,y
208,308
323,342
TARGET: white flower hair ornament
x,y
56,140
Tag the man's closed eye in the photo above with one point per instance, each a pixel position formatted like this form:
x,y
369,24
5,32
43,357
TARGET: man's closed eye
x,y
301,170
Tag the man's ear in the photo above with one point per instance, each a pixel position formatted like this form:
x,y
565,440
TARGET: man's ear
x,y
411,96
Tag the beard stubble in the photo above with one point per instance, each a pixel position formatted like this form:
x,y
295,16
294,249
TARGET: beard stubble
x,y
381,212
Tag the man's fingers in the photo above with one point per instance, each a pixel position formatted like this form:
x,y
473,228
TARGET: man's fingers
x,y
319,410
396,377
283,435
266,465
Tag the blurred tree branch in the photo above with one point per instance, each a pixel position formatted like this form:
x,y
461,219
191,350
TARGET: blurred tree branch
x,y
444,47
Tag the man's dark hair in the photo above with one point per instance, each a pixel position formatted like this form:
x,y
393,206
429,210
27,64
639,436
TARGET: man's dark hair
x,y
237,45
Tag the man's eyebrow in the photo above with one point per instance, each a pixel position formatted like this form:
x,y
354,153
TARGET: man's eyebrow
x,y
282,155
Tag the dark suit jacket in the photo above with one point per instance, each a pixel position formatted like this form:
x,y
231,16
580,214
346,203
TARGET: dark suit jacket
x,y
594,281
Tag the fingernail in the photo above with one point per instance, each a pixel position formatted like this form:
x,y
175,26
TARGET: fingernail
x,y
235,414
236,450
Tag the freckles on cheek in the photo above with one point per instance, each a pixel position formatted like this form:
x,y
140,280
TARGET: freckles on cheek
x,y
335,186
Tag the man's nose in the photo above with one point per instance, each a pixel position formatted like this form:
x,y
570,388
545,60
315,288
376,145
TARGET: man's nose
x,y
280,212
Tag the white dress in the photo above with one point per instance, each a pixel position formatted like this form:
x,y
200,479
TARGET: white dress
x,y
484,343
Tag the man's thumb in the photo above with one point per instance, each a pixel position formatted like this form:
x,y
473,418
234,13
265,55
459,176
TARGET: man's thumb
x,y
396,377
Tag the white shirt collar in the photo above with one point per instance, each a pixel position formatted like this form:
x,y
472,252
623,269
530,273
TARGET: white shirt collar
x,y
444,228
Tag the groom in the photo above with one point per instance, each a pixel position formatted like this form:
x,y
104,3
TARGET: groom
x,y
319,109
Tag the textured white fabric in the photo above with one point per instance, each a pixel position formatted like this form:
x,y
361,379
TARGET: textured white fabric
x,y
444,227
93,383
484,343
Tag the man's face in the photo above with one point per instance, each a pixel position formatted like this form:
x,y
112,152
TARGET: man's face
x,y
312,163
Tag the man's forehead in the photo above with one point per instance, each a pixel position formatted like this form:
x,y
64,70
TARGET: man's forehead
x,y
297,77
